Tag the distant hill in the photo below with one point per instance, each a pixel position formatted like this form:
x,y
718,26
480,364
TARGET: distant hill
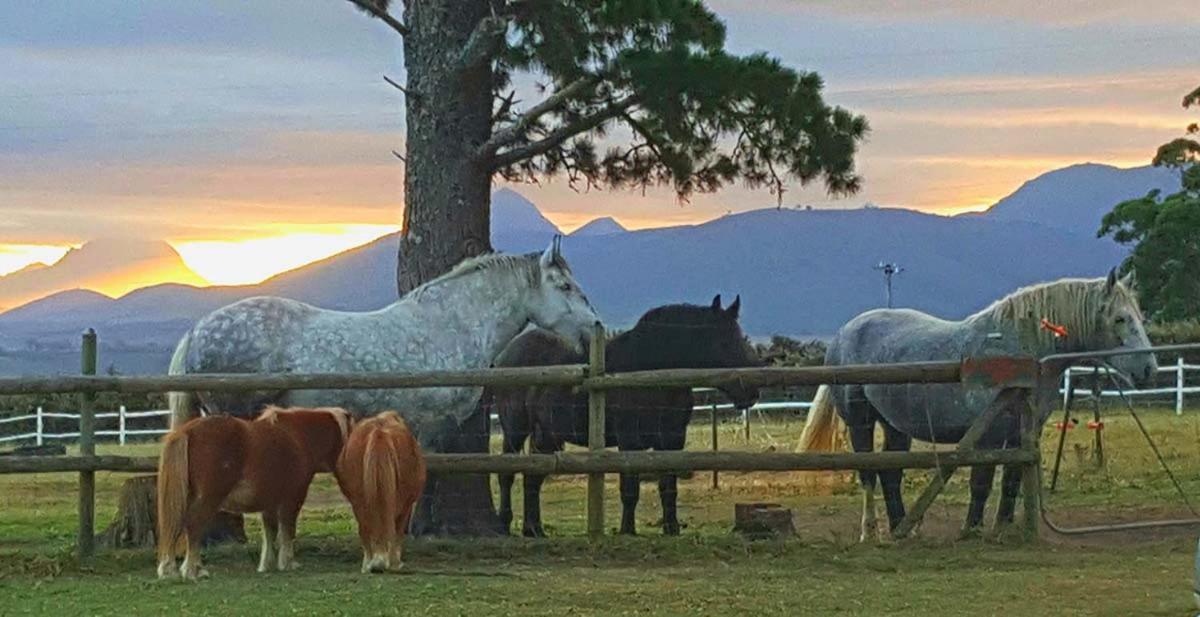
x,y
1076,198
114,266
599,227
799,273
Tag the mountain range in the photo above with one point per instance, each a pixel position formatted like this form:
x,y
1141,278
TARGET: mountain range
x,y
799,272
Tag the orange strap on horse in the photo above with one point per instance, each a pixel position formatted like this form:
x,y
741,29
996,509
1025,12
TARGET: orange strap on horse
x,y
1058,330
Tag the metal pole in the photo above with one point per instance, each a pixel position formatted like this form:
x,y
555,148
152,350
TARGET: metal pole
x,y
121,425
596,434
1179,386
87,447
40,425
1098,448
746,423
713,411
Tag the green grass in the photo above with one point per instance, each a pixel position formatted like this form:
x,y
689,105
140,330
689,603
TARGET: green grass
x,y
706,571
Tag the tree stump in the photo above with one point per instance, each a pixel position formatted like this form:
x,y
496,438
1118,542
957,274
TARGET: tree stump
x,y
762,520
136,523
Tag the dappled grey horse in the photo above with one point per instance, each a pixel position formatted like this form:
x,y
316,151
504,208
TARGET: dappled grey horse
x,y
460,320
1096,314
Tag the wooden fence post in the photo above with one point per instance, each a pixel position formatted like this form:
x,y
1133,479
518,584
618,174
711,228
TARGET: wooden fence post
x,y
87,447
1031,435
596,433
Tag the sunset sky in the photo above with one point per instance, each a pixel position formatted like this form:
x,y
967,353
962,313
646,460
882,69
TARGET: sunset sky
x,y
256,136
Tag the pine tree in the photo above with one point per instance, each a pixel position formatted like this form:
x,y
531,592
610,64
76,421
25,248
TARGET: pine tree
x,y
633,94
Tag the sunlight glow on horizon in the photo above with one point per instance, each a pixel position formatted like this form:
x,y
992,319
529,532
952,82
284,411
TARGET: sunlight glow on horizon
x,y
249,261
13,257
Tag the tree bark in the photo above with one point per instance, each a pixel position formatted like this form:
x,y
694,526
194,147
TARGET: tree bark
x,y
136,523
449,116
447,205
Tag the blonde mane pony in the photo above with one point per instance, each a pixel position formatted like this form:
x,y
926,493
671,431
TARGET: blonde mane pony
x,y
271,413
1080,305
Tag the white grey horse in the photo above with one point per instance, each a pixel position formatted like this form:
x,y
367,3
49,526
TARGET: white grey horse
x,y
460,320
1097,314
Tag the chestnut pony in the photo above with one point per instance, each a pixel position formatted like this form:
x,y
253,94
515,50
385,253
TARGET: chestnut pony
x,y
381,471
225,463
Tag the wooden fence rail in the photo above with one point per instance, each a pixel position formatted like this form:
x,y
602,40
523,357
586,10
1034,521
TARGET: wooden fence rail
x,y
582,463
1002,372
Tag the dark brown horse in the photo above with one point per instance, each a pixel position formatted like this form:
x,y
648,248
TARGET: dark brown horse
x,y
673,336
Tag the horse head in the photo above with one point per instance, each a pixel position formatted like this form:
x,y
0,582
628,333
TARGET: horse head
x,y
1122,327
691,336
558,304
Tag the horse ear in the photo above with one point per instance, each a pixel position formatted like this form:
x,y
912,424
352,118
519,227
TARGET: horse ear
x,y
549,257
1129,281
716,303
735,307
1112,280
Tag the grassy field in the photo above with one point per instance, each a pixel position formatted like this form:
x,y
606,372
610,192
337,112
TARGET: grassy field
x,y
823,571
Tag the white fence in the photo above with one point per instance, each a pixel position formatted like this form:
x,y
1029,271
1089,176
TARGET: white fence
x,y
1180,369
39,435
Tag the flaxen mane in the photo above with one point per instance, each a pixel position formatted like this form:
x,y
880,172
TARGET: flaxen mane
x,y
1078,304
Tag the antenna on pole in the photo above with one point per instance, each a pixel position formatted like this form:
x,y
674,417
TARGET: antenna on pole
x,y
889,270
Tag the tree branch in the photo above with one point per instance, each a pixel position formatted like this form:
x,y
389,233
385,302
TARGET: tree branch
x,y
484,43
374,10
556,137
517,130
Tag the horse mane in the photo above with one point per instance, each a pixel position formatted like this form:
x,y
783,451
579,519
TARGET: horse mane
x,y
1077,304
526,266
270,415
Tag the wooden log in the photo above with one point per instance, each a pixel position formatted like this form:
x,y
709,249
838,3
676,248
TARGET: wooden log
x,y
568,375
135,523
596,411
87,447
1031,433
582,463
763,520
915,372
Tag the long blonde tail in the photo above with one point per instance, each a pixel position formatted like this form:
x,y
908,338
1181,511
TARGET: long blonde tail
x,y
823,431
381,473
182,404
172,493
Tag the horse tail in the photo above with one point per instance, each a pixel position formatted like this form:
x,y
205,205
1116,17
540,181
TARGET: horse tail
x,y
822,429
381,473
172,493
182,404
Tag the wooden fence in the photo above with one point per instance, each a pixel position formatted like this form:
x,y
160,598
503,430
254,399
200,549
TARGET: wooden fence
x,y
1018,376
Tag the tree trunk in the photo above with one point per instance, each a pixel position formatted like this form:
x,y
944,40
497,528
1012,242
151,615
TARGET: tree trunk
x,y
446,210
449,115
136,523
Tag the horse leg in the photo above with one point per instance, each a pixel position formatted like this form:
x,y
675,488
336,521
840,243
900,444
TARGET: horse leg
x,y
289,512
543,443
1010,487
672,438
199,514
513,440
396,554
630,492
270,551
862,439
668,493
981,487
892,480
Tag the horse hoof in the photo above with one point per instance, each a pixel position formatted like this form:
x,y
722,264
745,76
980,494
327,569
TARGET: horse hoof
x,y
533,532
396,568
670,530
970,533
